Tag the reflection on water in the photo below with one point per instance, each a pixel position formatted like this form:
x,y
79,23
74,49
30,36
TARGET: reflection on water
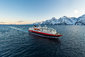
x,y
50,39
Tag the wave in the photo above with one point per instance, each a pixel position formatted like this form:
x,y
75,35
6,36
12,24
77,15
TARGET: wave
x,y
18,29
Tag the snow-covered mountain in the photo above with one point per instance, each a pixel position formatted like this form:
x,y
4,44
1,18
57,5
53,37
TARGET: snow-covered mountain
x,y
65,21
81,20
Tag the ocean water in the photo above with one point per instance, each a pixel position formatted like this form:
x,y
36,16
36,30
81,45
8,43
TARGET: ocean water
x,y
15,41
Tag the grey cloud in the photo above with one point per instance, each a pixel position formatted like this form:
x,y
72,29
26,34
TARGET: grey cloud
x,y
20,21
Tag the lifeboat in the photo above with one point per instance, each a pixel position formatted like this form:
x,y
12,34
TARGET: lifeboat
x,y
44,32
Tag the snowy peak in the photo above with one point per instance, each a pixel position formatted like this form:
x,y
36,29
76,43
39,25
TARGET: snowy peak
x,y
65,21
53,18
81,20
64,17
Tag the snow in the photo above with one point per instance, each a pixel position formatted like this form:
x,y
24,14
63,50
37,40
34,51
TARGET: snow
x,y
65,21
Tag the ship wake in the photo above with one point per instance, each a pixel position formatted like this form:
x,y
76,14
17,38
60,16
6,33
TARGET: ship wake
x,y
18,29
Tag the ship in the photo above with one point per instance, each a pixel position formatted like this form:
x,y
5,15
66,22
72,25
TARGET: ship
x,y
44,32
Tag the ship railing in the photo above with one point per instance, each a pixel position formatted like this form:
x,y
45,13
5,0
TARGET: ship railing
x,y
48,30
45,29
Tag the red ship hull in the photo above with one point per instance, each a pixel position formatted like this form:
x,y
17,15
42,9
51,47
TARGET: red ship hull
x,y
44,34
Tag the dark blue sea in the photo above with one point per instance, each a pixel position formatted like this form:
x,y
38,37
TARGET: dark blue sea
x,y
15,41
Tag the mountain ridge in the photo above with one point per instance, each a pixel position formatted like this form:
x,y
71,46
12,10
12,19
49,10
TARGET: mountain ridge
x,y
65,21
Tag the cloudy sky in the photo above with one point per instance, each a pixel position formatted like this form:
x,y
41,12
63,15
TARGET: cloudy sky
x,y
29,11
